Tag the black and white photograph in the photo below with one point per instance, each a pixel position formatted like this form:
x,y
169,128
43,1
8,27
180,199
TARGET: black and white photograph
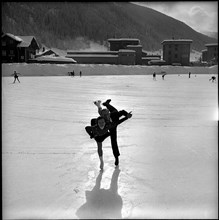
x,y
110,110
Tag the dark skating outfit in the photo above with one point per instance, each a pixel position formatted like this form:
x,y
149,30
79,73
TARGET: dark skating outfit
x,y
101,134
15,77
115,115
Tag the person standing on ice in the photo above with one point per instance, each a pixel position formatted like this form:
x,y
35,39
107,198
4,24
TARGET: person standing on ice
x,y
99,130
80,73
111,114
163,76
213,78
189,74
15,74
154,76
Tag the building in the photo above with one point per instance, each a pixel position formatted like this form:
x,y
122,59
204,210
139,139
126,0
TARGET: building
x,y
122,51
116,44
204,55
210,54
177,51
18,48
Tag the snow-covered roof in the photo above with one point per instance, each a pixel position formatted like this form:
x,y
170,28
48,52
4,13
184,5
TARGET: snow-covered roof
x,y
51,58
126,51
26,41
211,45
123,39
134,45
16,38
177,41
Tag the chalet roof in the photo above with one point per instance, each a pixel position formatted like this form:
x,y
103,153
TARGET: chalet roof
x,y
16,38
26,41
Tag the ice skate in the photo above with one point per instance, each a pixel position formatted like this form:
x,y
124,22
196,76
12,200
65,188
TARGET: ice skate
x,y
117,161
97,103
106,102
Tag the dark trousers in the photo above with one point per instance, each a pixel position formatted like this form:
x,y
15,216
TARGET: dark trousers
x,y
114,114
16,78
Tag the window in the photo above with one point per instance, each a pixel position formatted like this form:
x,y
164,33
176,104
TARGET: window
x,y
3,43
11,52
3,52
176,56
11,41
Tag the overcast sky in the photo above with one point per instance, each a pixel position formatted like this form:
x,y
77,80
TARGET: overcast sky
x,y
202,16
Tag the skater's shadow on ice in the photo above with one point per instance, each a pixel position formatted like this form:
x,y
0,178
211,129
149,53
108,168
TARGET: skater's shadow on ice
x,y
102,203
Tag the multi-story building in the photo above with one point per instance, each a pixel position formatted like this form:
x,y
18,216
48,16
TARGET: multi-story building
x,y
18,48
210,54
177,51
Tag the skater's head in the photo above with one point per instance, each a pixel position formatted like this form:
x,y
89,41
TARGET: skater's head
x,y
101,122
105,113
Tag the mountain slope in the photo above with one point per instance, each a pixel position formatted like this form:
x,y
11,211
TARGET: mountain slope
x,y
67,25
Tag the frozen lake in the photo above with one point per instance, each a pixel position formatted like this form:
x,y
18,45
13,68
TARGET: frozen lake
x,y
168,163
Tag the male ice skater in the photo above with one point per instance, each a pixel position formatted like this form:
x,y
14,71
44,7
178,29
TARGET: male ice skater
x,y
15,74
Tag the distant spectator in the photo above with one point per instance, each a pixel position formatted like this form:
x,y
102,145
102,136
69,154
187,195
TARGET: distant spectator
x,y
15,74
163,76
189,74
154,76
71,73
213,79
80,73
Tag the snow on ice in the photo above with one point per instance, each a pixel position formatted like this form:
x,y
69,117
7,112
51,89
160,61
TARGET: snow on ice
x,y
168,162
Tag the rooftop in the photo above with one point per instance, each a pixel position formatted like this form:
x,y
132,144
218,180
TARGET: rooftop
x,y
177,41
211,45
13,37
123,39
26,41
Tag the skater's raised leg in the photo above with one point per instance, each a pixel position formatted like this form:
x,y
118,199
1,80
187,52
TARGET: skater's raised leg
x,y
109,106
97,103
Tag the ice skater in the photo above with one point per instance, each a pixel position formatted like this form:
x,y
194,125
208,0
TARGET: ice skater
x,y
154,76
15,74
71,73
163,75
80,73
111,114
189,74
99,130
213,79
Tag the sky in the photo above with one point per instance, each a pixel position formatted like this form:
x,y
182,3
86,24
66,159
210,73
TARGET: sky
x,y
202,16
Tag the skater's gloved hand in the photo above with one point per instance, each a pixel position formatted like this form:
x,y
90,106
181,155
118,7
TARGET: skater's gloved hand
x,y
129,115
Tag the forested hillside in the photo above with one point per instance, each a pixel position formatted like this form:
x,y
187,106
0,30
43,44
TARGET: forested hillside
x,y
69,25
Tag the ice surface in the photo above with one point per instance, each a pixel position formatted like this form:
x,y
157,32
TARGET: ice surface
x,y
168,162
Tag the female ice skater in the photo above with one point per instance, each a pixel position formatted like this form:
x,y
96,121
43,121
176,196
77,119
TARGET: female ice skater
x,y
111,114
99,130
